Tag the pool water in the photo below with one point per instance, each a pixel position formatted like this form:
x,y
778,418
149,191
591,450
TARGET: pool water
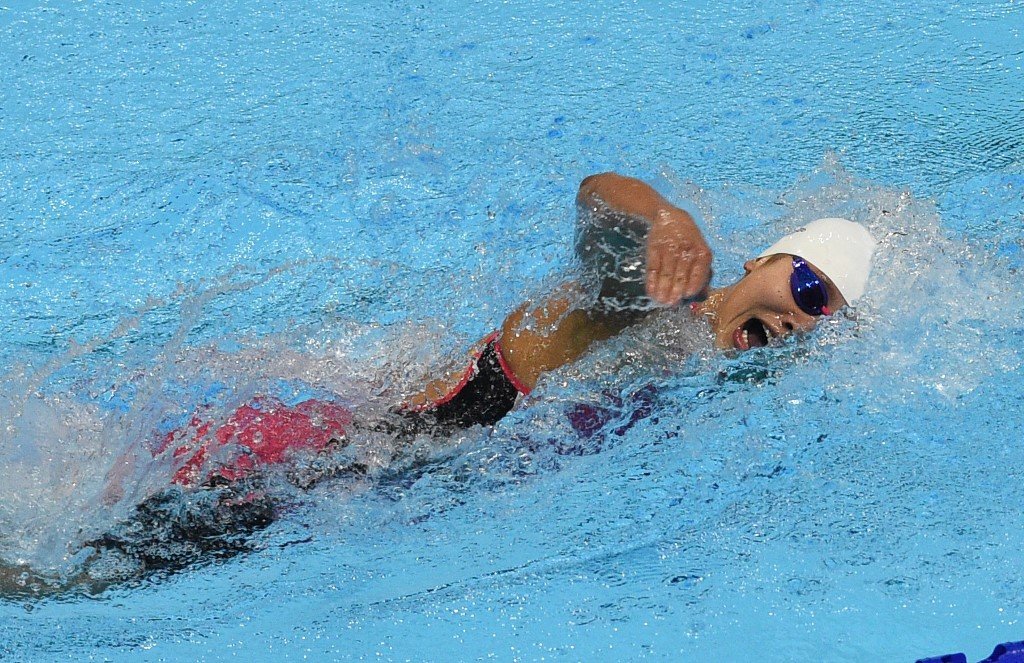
x,y
206,203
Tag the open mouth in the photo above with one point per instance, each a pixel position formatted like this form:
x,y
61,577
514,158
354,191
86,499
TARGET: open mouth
x,y
752,334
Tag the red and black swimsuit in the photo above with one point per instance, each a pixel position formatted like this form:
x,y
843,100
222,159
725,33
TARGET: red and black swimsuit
x,y
266,432
220,465
487,392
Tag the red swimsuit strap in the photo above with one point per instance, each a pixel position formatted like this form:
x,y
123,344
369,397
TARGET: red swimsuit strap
x,y
505,368
492,339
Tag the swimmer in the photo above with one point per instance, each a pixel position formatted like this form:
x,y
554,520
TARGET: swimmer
x,y
645,253
639,253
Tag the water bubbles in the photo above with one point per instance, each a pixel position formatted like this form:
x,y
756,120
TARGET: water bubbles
x,y
800,429
79,465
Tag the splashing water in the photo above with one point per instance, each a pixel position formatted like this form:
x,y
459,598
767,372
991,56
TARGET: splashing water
x,y
936,325
81,431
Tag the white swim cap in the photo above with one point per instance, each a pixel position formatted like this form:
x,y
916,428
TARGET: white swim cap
x,y
841,249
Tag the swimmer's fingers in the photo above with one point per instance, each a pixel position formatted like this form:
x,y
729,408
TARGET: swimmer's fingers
x,y
699,278
680,287
654,267
678,259
670,275
693,271
662,265
666,268
698,263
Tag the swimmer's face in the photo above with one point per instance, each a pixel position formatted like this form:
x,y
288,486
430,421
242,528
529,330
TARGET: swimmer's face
x,y
760,306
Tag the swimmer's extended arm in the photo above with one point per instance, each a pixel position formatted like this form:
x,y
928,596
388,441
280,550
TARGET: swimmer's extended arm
x,y
641,248
638,244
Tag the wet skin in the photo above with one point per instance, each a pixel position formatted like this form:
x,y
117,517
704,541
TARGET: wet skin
x,y
543,335
760,307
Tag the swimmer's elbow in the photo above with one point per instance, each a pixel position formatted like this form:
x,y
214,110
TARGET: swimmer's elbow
x,y
592,186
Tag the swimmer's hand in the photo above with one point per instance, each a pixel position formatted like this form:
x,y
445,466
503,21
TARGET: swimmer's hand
x,y
678,258
618,214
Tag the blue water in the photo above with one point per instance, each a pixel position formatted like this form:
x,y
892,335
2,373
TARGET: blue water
x,y
207,202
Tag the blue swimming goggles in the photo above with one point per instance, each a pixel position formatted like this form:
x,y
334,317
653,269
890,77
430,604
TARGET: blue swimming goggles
x,y
809,293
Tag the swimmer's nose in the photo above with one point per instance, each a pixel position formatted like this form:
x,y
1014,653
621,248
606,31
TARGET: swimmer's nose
x,y
806,323
798,322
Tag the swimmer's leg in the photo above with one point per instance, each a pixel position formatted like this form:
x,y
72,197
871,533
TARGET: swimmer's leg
x,y
179,527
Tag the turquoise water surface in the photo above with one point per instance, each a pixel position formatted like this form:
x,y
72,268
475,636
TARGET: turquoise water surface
x,y
201,203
